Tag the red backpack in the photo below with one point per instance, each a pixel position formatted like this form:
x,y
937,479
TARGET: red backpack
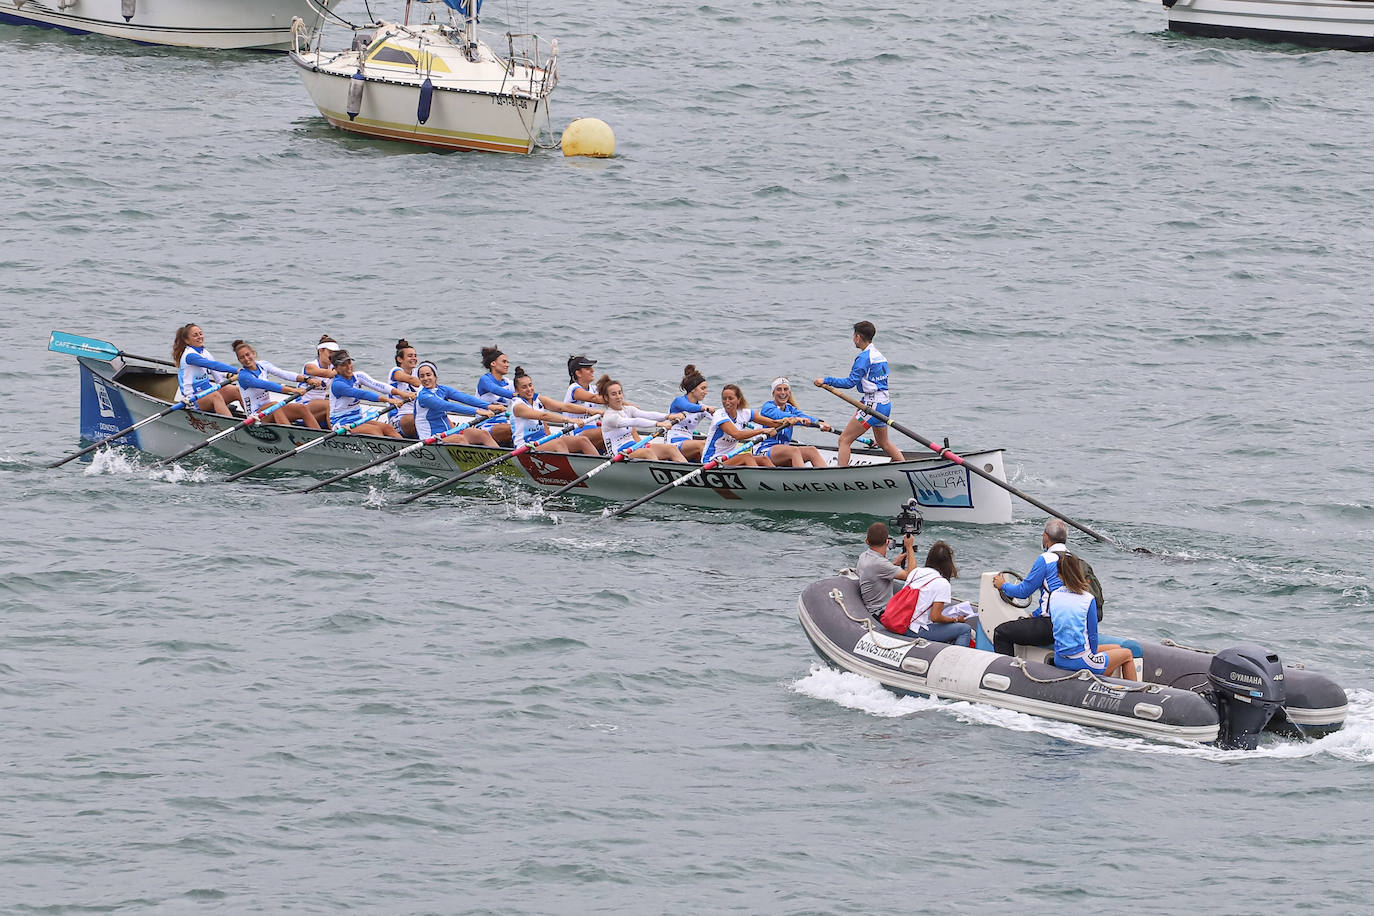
x,y
902,607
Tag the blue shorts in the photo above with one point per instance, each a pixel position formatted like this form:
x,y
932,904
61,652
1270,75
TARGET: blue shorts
x,y
767,446
873,422
1097,664
345,419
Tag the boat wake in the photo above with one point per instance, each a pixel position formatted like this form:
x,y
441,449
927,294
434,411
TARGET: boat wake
x,y
1354,742
117,462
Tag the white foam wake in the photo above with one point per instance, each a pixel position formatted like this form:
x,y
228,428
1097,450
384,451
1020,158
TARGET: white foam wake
x,y
1354,742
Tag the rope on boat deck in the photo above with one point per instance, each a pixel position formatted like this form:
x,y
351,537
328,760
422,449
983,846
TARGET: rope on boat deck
x,y
867,620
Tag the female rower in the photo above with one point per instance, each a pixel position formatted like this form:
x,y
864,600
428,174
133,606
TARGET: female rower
x,y
198,371
256,387
728,429
349,388
434,402
318,400
403,377
529,413
620,421
778,447
582,391
494,389
693,412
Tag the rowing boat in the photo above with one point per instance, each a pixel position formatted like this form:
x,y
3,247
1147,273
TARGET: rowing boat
x,y
116,394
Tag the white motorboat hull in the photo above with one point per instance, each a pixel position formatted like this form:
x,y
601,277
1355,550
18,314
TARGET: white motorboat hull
x,y
459,119
112,400
210,24
1340,24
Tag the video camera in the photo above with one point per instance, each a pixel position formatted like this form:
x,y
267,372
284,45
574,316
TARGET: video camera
x,y
908,520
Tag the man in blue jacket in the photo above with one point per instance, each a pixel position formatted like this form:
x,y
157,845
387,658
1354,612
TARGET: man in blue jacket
x,y
1035,630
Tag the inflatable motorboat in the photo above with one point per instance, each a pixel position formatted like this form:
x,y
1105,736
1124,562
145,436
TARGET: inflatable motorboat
x,y
1227,698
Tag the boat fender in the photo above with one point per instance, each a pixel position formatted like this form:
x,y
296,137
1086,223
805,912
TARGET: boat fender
x,y
426,100
126,9
355,95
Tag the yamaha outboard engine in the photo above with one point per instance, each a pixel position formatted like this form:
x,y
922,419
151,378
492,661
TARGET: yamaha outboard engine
x,y
1247,686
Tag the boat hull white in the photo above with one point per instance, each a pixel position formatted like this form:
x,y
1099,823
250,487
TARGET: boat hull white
x,y
1338,24
112,400
208,24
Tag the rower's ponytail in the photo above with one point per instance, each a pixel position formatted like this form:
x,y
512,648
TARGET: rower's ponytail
x,y
691,377
181,342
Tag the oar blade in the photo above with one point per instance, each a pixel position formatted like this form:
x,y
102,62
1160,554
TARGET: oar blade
x,y
76,345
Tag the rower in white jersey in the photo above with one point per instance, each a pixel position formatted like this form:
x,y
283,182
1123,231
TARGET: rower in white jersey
x,y
198,372
403,378
353,386
582,391
255,381
732,424
318,400
529,413
689,404
621,420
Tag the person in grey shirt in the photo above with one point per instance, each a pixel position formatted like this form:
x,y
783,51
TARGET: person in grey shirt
x,y
878,574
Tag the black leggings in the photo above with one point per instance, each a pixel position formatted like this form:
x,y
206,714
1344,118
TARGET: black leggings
x,y
1024,631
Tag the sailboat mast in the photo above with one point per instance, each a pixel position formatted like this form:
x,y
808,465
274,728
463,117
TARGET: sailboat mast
x,y
470,23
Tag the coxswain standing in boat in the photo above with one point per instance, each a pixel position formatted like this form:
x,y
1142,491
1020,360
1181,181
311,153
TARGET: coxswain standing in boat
x,y
1037,629
493,388
198,371
730,426
434,402
318,400
582,390
403,378
869,375
257,388
350,388
778,447
622,419
529,413
1073,611
689,405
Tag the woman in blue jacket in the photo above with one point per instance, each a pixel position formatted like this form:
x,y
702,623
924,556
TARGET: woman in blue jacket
x,y
1073,611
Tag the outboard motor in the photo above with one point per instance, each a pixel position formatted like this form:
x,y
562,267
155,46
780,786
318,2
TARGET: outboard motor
x,y
1247,687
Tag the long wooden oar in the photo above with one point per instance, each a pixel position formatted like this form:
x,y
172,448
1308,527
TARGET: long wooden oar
x,y
513,453
179,405
621,455
714,462
76,345
333,433
246,421
950,456
432,440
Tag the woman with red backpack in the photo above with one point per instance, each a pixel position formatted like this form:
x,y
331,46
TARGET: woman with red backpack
x,y
918,607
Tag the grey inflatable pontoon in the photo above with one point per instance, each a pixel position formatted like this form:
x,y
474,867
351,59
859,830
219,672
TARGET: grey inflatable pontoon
x,y
1225,697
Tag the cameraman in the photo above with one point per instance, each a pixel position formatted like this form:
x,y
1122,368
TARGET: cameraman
x,y
877,573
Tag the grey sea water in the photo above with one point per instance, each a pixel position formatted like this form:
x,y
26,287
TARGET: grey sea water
x,y
1137,262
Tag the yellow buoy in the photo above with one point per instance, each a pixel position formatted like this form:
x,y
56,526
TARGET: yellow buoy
x,y
589,137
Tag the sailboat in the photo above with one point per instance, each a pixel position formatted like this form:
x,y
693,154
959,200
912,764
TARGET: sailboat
x,y
434,83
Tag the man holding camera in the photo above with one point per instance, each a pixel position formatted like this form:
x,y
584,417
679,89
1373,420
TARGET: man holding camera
x,y
877,574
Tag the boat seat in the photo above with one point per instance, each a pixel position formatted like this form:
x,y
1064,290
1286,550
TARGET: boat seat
x,y
1043,654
